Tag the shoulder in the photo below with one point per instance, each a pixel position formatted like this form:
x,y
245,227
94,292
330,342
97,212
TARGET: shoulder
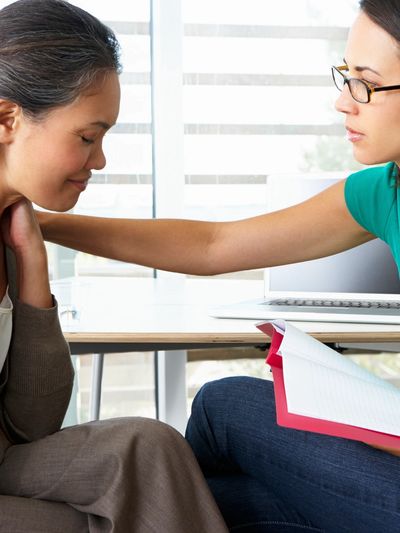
x,y
371,195
383,176
371,180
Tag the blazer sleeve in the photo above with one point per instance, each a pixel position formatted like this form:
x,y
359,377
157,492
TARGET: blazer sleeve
x,y
37,378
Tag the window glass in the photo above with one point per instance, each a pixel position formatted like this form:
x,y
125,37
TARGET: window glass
x,y
270,12
258,99
122,189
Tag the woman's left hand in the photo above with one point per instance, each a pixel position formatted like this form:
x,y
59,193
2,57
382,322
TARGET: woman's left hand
x,y
21,232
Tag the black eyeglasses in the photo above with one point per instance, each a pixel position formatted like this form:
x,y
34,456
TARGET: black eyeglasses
x,y
360,90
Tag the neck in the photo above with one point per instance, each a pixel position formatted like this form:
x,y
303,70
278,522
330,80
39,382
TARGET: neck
x,y
7,196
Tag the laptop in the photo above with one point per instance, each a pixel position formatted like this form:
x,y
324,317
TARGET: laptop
x,y
359,285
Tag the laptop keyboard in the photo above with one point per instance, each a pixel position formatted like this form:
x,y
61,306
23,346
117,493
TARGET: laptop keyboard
x,y
326,303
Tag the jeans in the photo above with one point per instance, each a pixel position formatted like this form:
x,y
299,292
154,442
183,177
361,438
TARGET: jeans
x,y
268,478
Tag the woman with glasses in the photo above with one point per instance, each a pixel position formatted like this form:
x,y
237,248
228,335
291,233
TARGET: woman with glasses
x,y
265,477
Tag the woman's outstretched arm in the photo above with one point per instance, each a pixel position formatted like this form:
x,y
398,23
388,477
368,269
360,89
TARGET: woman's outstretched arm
x,y
318,227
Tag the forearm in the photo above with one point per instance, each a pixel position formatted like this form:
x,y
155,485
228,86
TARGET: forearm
x,y
174,245
40,374
316,228
33,279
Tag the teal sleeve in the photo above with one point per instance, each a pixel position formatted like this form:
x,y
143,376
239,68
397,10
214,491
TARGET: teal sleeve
x,y
370,197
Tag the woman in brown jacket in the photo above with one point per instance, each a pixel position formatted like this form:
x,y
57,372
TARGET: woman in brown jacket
x,y
59,93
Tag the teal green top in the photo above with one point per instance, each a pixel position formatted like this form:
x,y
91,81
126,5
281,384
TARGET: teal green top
x,y
373,199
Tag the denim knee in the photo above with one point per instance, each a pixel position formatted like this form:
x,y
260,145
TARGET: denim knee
x,y
227,401
230,389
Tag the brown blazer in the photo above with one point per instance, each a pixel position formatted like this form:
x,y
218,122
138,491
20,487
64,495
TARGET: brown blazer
x,y
125,475
37,377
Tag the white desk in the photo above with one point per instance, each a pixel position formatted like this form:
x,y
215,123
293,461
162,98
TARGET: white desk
x,y
104,315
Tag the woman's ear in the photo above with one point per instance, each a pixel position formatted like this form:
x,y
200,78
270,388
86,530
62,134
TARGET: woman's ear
x,y
10,113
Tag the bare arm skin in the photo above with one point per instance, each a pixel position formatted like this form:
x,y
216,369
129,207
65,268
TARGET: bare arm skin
x,y
21,233
318,227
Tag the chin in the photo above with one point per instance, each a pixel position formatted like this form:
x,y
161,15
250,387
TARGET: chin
x,y
369,159
58,206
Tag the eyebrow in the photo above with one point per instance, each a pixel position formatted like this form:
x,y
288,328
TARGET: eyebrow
x,y
102,124
362,69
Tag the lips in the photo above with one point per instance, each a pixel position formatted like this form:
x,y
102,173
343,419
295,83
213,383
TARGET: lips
x,y
353,135
81,184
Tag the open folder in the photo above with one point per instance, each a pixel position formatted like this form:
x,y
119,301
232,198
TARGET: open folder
x,y
318,389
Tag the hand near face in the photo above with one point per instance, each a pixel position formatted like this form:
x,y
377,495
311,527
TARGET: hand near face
x,y
21,232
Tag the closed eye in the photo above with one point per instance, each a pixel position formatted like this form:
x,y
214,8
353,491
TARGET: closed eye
x,y
86,140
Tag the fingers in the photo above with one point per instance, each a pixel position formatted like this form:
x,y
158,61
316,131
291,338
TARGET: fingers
x,y
20,228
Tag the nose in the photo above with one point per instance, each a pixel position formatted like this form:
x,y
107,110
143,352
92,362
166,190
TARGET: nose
x,y
97,159
345,103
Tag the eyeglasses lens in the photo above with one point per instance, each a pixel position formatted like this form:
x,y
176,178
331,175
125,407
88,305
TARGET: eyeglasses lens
x,y
358,89
338,79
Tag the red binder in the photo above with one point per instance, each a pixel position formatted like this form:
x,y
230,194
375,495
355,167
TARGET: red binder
x,y
316,425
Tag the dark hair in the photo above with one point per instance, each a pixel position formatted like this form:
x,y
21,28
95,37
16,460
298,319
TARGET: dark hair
x,y
51,52
385,13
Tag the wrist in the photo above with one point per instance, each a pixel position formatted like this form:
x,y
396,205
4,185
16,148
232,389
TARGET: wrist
x,y
33,278
34,254
33,282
